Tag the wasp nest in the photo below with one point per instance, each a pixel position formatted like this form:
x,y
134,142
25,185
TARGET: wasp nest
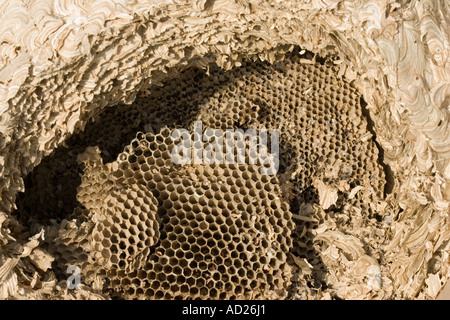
x,y
146,227
358,207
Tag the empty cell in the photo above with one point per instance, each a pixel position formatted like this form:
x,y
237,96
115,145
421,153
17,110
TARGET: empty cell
x,y
193,264
201,242
165,244
202,265
199,283
238,290
193,291
159,294
186,206
190,239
